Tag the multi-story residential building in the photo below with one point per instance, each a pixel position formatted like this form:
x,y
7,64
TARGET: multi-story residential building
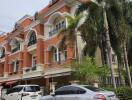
x,y
33,53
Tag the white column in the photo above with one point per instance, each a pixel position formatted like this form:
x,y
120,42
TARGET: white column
x,y
57,52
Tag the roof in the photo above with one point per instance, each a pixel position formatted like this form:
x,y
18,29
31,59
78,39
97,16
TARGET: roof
x,y
26,85
47,8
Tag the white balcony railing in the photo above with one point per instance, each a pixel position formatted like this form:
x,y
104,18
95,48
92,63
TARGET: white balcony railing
x,y
32,48
33,71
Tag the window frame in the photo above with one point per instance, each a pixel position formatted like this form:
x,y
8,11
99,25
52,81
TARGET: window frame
x,y
70,90
2,52
57,27
15,65
32,39
34,61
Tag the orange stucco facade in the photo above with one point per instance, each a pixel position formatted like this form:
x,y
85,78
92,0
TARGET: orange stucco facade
x,y
30,44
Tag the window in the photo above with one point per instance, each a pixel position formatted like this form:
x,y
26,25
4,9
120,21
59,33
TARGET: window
x,y
34,62
62,54
58,26
93,88
54,55
67,90
15,46
32,39
32,88
15,66
2,52
15,89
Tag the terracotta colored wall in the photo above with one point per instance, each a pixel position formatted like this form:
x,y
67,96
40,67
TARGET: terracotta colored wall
x,y
25,59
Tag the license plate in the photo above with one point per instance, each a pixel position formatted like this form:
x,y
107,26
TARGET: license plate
x,y
33,96
112,98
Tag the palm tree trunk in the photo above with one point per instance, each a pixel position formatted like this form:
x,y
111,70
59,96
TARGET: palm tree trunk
x,y
126,65
76,50
108,44
120,72
110,59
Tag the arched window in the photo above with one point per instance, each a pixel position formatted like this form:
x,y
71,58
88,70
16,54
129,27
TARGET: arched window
x,y
56,22
2,52
15,45
32,39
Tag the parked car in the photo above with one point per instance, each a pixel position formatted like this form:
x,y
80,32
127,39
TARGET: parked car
x,y
80,92
23,92
3,93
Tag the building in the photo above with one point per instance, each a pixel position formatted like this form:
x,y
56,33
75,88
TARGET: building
x,y
33,53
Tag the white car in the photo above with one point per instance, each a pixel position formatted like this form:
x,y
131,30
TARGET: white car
x,y
23,92
80,92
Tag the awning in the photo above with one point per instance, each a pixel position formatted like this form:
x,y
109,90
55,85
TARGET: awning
x,y
11,82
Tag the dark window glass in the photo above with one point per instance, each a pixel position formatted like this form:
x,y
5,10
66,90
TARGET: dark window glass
x,y
68,90
13,90
17,89
17,47
3,53
63,24
17,66
94,88
9,91
32,88
32,39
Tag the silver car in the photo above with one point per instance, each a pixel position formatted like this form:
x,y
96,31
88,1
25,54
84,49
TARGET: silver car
x,y
80,92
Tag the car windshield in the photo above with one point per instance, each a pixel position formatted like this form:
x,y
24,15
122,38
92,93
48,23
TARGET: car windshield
x,y
32,88
94,88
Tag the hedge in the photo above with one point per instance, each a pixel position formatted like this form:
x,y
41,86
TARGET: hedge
x,y
123,93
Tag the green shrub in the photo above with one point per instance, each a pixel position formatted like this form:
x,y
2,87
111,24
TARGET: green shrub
x,y
123,93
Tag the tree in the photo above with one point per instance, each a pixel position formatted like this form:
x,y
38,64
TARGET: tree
x,y
89,72
121,30
117,17
98,24
70,32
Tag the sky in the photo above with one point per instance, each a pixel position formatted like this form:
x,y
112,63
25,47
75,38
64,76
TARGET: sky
x,y
12,10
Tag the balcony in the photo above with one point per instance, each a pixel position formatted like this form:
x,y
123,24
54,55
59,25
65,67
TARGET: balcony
x,y
32,48
33,71
58,28
57,71
14,76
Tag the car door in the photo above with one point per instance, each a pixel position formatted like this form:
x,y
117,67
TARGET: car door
x,y
66,93
9,94
16,95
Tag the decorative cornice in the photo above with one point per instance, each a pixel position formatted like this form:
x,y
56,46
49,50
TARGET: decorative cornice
x,y
24,18
32,25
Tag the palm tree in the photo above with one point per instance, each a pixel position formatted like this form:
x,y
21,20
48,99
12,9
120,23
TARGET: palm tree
x,y
70,32
98,24
114,22
121,31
